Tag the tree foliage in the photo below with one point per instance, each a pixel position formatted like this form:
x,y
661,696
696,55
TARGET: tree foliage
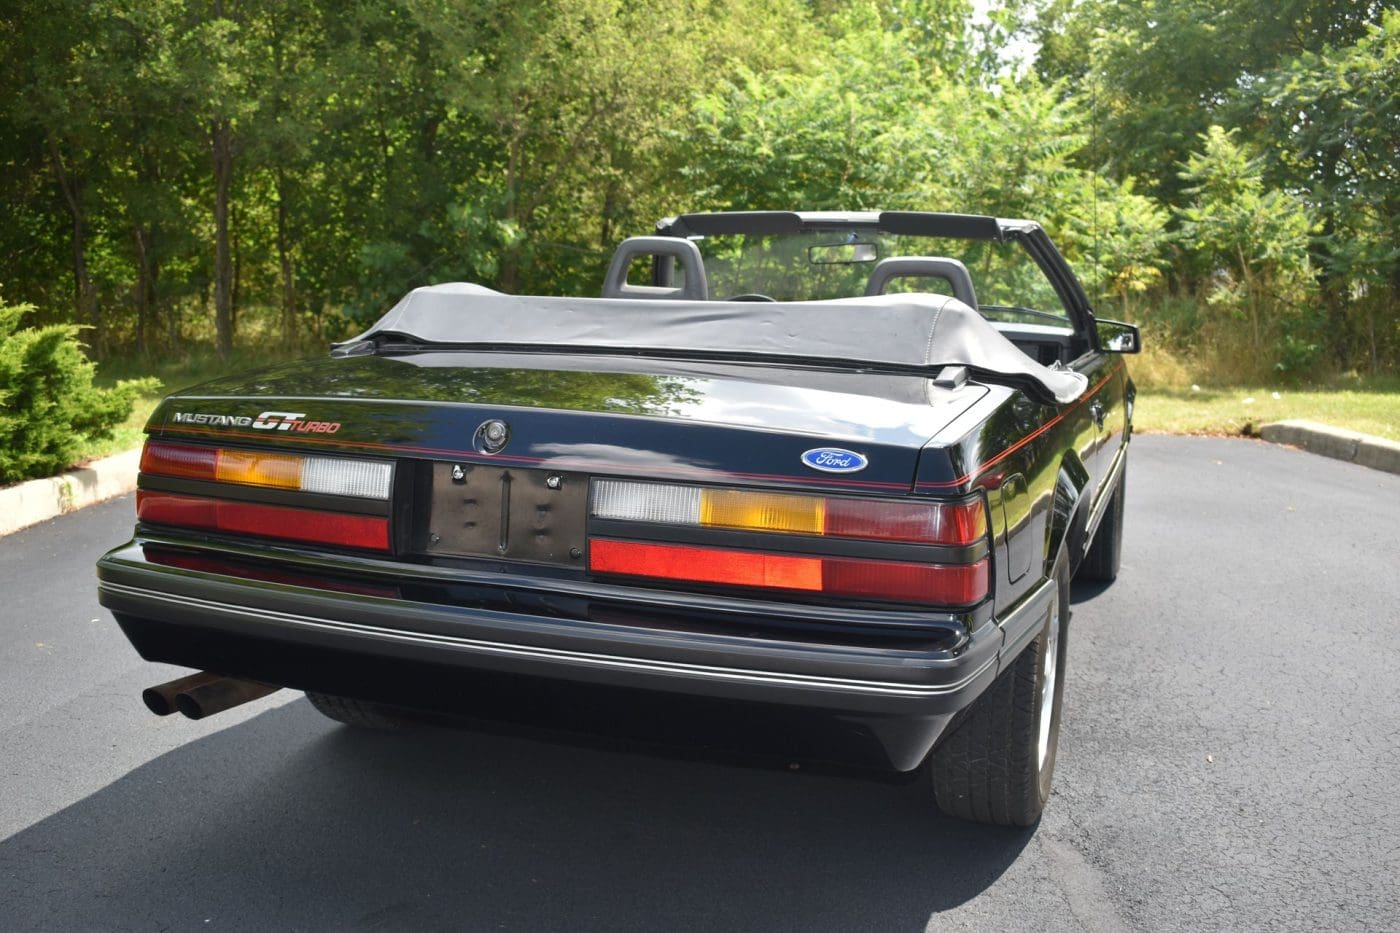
x,y
1332,121
175,168
1292,107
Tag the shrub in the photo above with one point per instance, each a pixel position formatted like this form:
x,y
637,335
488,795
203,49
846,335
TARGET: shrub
x,y
48,404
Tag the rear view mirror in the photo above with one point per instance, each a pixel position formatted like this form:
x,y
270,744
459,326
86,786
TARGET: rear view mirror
x,y
1117,337
843,254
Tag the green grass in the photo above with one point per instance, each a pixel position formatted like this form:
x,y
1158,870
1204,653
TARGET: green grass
x,y
127,435
1229,411
200,364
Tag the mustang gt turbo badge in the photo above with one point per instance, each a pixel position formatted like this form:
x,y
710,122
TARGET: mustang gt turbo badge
x,y
834,460
213,421
267,421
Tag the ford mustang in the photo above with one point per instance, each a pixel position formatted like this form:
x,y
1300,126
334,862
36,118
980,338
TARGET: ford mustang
x,y
811,485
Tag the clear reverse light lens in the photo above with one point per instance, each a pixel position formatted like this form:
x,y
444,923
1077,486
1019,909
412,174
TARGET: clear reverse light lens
x,y
646,502
336,477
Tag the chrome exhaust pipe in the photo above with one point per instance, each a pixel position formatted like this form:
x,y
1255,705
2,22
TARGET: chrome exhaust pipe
x,y
219,694
160,699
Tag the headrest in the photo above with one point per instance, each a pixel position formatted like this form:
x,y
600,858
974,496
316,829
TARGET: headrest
x,y
936,267
615,284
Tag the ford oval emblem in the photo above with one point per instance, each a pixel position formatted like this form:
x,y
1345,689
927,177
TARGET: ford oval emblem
x,y
834,460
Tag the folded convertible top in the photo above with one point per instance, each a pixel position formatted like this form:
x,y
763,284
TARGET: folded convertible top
x,y
908,331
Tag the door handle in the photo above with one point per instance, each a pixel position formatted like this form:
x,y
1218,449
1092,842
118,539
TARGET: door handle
x,y
1097,410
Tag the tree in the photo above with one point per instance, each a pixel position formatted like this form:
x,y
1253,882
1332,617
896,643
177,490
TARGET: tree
x,y
215,85
67,78
1333,121
1118,239
1162,71
841,137
1250,241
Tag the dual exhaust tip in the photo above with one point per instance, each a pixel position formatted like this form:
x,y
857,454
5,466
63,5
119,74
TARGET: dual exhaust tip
x,y
203,694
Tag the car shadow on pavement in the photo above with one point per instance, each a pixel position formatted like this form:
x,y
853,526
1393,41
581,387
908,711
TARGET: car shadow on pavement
x,y
1083,591
288,821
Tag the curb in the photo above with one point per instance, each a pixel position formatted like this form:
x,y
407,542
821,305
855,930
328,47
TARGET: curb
x,y
1364,449
39,500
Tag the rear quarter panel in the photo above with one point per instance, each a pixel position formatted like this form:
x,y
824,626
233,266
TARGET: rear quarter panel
x,y
1013,449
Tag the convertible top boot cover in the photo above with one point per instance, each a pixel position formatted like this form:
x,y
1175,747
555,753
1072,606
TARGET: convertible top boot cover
x,y
904,331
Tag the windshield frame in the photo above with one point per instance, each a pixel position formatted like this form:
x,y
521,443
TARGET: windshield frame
x,y
1027,233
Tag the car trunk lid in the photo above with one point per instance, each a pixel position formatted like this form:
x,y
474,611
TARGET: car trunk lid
x,y
661,419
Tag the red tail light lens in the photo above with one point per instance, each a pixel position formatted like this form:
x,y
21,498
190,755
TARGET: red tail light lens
x,y
935,584
947,523
705,565
180,460
932,584
269,521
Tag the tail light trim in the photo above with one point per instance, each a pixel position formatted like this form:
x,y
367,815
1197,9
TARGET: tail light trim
x,y
925,522
307,473
912,551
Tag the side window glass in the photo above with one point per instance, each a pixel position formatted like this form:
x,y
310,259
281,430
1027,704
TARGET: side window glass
x,y
1011,286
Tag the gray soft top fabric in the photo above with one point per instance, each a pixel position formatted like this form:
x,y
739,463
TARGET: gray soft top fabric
x,y
922,331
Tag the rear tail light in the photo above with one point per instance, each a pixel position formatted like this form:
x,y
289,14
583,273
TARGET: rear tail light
x,y
886,566
332,476
935,584
268,521
942,523
354,480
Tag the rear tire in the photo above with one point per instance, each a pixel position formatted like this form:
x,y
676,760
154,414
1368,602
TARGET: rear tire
x,y
1100,564
360,714
997,764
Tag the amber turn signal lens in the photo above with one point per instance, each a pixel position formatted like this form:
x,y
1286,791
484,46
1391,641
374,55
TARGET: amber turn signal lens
x,y
280,471
757,511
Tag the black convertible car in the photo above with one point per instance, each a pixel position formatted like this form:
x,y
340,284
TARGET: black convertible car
x,y
807,484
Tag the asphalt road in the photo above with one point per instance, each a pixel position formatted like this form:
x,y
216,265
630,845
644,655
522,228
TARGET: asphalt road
x,y
1230,760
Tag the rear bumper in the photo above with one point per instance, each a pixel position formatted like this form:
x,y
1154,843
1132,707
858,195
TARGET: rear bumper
x,y
416,653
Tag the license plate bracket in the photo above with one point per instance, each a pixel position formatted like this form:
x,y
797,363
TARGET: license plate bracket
x,y
539,516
